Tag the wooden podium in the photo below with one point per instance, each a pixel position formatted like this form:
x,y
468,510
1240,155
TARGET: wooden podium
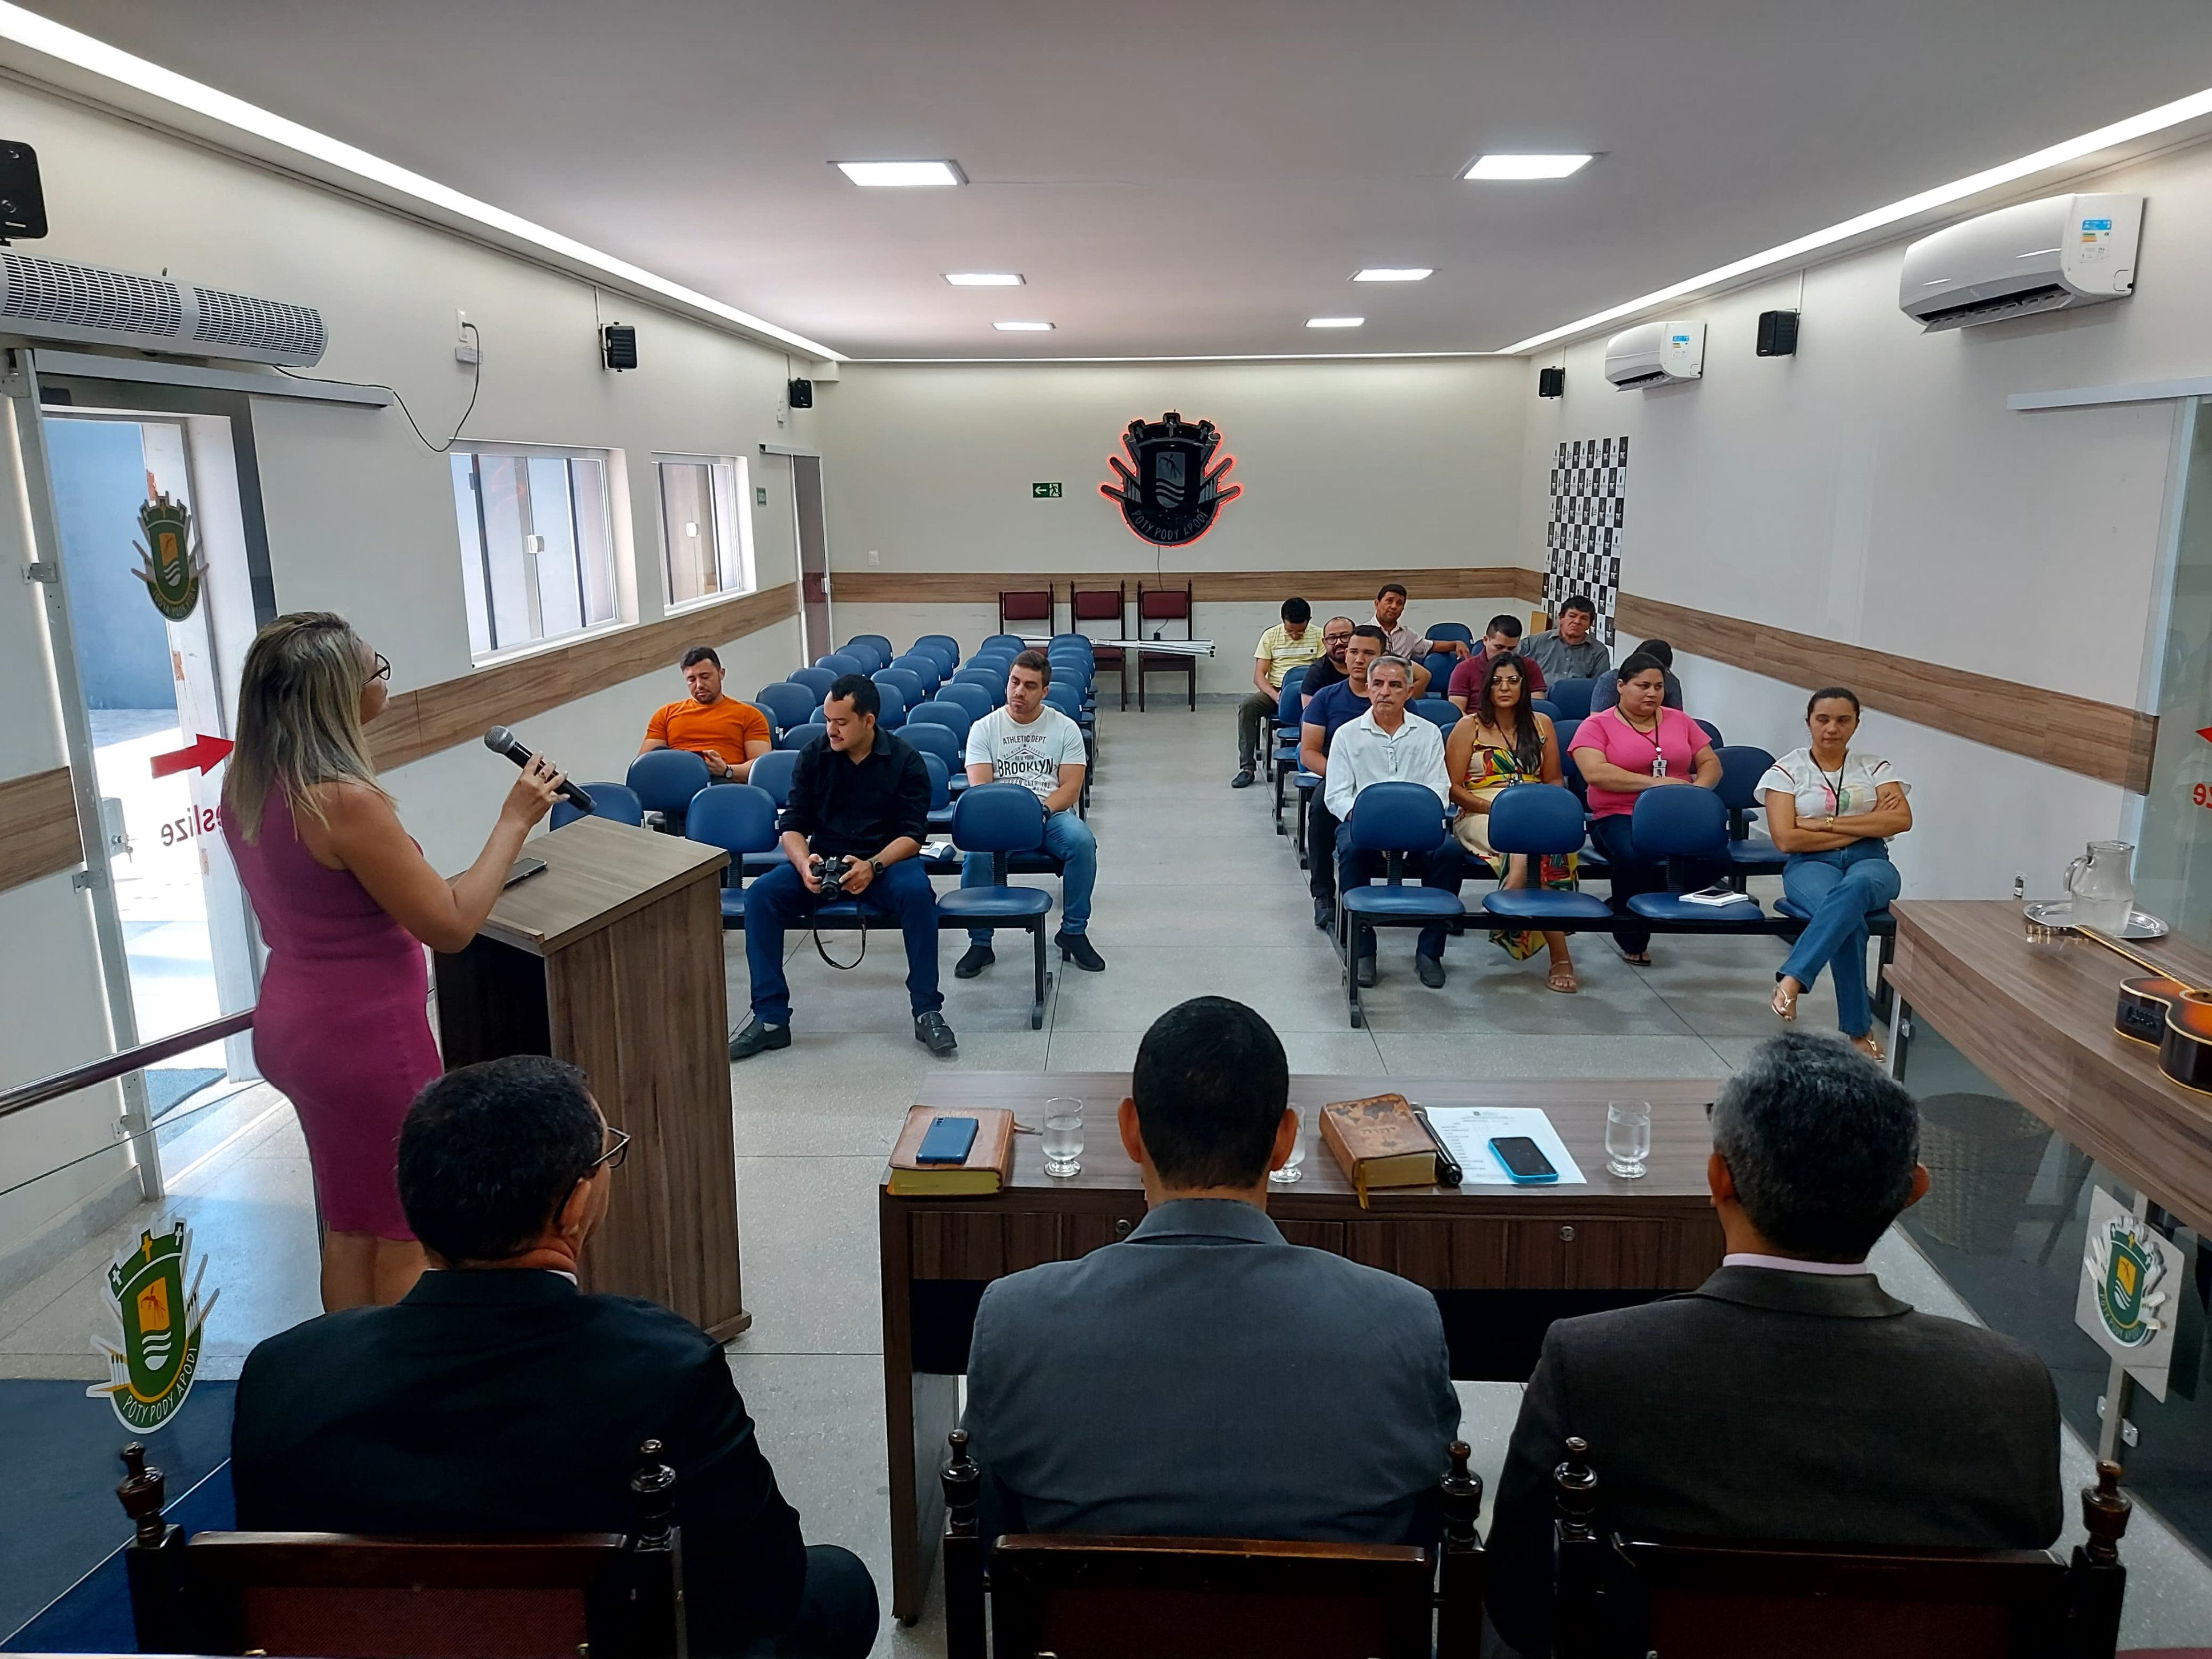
x,y
611,958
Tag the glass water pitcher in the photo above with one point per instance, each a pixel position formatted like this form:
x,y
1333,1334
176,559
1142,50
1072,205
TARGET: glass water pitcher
x,y
2102,888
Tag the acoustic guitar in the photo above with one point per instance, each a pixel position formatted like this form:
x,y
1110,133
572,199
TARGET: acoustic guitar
x,y
2170,1014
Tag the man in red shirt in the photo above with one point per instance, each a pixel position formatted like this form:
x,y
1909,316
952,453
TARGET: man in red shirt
x,y
1501,638
727,734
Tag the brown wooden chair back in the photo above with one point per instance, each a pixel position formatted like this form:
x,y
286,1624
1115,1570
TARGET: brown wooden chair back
x,y
1025,604
1739,1599
1106,604
435,1596
1090,1597
1162,605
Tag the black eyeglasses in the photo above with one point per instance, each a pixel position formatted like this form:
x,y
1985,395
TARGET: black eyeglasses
x,y
382,671
614,1155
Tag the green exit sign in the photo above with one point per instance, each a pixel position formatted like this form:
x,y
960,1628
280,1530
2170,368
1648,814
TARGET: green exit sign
x,y
1043,492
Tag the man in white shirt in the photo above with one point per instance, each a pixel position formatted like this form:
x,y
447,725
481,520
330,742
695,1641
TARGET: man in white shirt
x,y
1385,745
1041,750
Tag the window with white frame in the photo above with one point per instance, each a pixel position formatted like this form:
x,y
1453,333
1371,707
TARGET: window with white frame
x,y
706,534
538,556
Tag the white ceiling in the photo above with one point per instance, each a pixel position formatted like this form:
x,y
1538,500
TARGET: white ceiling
x,y
1179,179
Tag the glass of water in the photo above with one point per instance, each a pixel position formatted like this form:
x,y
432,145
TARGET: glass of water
x,y
1063,1136
1628,1137
1293,1169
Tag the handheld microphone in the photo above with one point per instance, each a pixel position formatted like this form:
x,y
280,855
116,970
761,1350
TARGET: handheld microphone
x,y
500,741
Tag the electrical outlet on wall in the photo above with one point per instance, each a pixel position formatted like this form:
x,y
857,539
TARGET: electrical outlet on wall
x,y
874,557
465,347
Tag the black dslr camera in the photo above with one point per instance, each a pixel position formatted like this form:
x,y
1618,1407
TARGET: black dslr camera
x,y
831,869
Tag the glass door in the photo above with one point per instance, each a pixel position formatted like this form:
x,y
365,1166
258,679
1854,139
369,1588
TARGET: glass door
x,y
2174,866
813,557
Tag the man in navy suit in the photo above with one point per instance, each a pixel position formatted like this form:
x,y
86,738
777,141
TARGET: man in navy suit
x,y
1203,1378
498,1397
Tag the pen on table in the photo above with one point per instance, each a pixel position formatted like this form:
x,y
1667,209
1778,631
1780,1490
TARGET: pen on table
x,y
1448,1173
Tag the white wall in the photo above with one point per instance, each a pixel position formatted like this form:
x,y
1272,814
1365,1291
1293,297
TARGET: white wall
x,y
359,512
1874,490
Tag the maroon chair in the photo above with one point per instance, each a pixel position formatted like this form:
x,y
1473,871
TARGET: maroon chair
x,y
1025,606
1103,605
1164,604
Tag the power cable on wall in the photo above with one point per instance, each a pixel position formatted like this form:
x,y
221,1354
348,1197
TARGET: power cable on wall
x,y
476,386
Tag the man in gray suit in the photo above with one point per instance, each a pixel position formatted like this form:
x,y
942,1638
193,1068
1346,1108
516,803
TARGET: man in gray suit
x,y
1788,1397
1204,1378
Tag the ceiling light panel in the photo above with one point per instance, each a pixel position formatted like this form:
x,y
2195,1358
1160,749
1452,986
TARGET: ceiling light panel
x,y
1527,167
984,278
1023,328
1334,322
902,175
1394,274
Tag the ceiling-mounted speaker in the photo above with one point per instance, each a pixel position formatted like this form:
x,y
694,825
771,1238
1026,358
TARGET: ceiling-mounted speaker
x,y
22,198
618,346
1778,334
802,394
1552,382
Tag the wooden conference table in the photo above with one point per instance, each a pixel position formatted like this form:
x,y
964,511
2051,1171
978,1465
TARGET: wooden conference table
x,y
1503,1261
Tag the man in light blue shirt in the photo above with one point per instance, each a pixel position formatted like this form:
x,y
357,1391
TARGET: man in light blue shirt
x,y
1203,1378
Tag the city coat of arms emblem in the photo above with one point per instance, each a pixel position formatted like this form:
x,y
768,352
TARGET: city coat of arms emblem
x,y
2125,1269
170,562
1175,490
155,1349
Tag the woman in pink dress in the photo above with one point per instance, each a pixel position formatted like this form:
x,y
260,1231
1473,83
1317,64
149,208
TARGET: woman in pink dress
x,y
346,902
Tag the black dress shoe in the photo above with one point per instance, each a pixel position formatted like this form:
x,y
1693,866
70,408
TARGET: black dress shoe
x,y
930,1028
1242,779
977,958
1324,914
1074,948
1432,970
757,1038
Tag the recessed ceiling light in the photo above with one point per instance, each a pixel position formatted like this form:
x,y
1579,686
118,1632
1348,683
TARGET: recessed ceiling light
x,y
984,278
902,175
1394,274
1526,166
1023,328
1334,322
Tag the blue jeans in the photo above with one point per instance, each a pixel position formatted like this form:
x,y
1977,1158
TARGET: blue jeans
x,y
1444,866
1840,890
1068,839
779,899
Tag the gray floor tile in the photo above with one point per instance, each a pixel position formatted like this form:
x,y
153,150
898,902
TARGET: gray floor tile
x,y
1292,992
1323,1053
1419,1053
847,1093
812,1276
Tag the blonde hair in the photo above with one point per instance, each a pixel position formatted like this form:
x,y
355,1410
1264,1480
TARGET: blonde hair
x,y
299,717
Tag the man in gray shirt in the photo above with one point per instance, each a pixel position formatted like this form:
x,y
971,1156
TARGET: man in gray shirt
x,y
1203,1378
1571,650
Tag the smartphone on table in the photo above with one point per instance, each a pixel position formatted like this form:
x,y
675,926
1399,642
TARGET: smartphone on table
x,y
1523,1159
947,1140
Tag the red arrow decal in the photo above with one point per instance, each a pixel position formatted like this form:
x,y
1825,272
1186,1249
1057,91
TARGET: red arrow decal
x,y
2205,733
204,753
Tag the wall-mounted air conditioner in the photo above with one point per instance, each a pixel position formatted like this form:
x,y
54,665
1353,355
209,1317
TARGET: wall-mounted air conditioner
x,y
2038,256
1655,354
55,299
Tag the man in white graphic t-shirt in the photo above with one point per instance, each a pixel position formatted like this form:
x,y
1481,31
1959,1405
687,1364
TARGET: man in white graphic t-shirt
x,y
1041,750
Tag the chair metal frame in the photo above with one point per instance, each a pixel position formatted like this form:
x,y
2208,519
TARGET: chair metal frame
x,y
1351,917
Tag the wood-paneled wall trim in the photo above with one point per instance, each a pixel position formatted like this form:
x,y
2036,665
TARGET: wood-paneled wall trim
x,y
1218,586
456,711
37,827
2101,740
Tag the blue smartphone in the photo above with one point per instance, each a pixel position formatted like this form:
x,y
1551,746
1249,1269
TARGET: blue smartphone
x,y
947,1140
1523,1159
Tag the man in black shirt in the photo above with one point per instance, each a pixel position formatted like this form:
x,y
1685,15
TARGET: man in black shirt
x,y
861,794
1335,636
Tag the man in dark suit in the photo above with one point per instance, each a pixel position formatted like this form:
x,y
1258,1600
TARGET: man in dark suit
x,y
1203,1378
1788,1397
497,1397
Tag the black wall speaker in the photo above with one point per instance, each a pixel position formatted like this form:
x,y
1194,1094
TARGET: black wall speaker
x,y
618,343
23,199
1778,334
802,394
1551,383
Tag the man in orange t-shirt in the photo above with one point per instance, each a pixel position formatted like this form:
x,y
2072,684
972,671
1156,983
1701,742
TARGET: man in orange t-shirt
x,y
728,735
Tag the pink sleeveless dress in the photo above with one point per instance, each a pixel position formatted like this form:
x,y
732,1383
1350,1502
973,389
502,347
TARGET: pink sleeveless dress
x,y
341,1027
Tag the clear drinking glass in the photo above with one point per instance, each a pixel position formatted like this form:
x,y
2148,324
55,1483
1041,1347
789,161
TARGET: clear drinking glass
x,y
1628,1137
1293,1168
1063,1136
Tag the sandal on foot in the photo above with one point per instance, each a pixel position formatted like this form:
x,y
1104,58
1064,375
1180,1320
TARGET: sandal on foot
x,y
1870,1048
1563,980
1641,959
1785,1004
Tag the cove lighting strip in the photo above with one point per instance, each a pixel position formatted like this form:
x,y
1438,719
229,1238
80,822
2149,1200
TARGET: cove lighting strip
x,y
42,34
2120,133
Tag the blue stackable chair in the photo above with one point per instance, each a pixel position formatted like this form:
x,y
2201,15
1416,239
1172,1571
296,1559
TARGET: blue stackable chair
x,y
788,703
816,680
799,736
988,669
970,695
940,798
664,780
944,648
740,819
1712,734
943,713
1540,819
1000,818
1545,706
890,714
941,741
925,667
909,684
1283,751
1749,854
772,772
880,642
1571,697
1440,664
1438,711
1593,862
1072,640
870,655
1011,643
841,663
1068,697
1687,823
991,682
617,802
1450,630
1393,819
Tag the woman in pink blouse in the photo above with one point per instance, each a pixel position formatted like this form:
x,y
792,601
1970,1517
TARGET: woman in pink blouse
x,y
1639,743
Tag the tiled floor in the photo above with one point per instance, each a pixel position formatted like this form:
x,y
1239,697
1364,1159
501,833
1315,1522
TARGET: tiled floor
x,y
1195,895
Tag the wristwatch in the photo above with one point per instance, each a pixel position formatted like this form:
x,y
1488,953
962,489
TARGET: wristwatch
x,y
876,865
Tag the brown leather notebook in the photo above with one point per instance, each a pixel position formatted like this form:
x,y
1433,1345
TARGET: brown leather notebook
x,y
990,1163
1378,1142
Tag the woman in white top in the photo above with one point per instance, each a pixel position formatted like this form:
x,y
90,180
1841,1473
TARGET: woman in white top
x,y
1831,808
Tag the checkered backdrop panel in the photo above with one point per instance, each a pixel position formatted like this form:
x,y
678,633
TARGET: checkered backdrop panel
x,y
1589,503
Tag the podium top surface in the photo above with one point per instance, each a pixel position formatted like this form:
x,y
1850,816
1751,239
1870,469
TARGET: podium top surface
x,y
596,872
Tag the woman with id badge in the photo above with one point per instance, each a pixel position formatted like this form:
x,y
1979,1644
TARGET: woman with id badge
x,y
1832,808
